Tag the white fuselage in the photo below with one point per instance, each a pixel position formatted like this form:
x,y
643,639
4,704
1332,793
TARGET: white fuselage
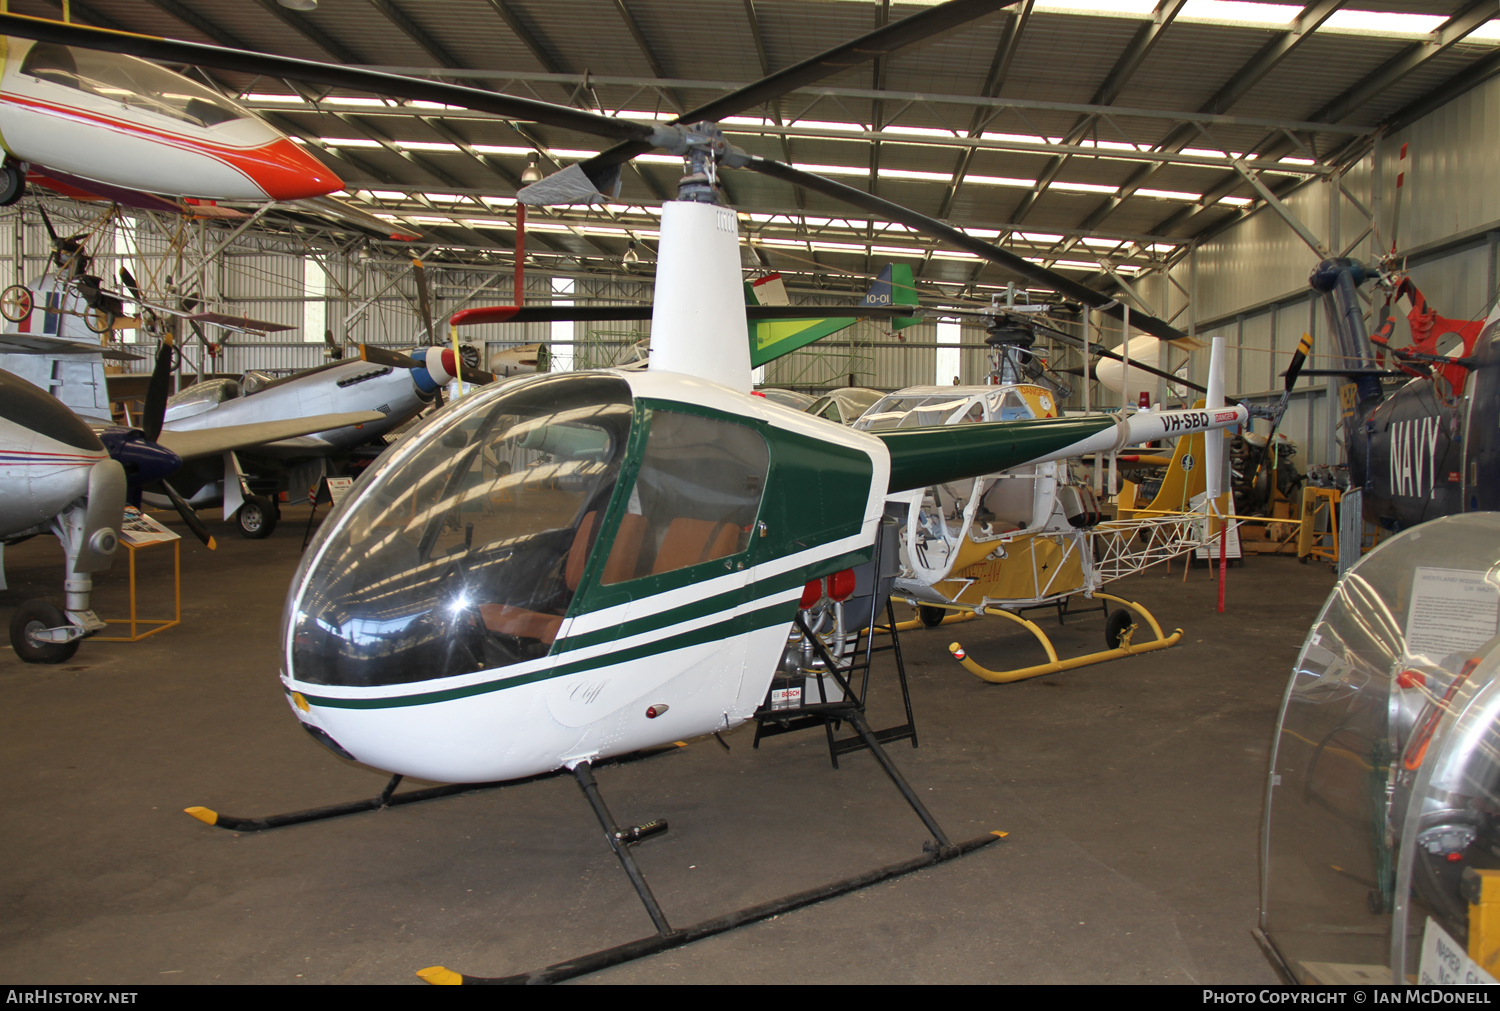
x,y
39,477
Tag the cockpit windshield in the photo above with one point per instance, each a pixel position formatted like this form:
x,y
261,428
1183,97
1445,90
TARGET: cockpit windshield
x,y
897,411
465,554
131,82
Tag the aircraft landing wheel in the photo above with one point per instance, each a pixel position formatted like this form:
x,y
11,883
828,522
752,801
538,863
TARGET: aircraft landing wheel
x,y
931,617
99,320
35,616
16,303
256,518
12,185
1115,625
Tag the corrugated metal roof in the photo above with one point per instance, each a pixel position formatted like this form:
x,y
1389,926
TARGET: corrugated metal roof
x,y
1060,58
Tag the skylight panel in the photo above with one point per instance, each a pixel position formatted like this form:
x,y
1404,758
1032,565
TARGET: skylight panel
x,y
1024,184
1136,8
834,170
564,152
918,131
1039,236
1082,187
1236,201
1017,138
521,152
1385,21
425,145
1240,12
1170,195
347,142
286,99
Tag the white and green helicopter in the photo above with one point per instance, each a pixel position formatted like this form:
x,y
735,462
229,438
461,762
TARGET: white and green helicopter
x,y
563,569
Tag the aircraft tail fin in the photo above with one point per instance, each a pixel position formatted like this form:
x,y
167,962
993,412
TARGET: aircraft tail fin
x,y
894,286
770,339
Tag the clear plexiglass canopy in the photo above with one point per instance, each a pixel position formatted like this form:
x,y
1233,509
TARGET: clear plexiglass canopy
x,y
1381,816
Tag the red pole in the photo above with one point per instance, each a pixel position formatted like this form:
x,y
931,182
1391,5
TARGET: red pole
x,y
520,253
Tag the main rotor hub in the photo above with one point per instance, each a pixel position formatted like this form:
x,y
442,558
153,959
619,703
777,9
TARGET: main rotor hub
x,y
703,147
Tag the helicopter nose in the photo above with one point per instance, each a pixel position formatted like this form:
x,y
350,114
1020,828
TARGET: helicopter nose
x,y
286,172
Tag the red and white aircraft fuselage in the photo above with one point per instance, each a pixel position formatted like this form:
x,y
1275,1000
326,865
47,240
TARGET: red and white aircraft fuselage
x,y
91,117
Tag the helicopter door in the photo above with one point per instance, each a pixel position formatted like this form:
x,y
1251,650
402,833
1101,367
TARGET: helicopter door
x,y
672,576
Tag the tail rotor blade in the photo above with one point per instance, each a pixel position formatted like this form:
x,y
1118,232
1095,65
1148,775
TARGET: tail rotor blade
x,y
1299,358
190,517
156,392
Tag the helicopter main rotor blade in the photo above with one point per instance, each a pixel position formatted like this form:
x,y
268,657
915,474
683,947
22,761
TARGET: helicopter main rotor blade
x,y
947,233
882,41
172,51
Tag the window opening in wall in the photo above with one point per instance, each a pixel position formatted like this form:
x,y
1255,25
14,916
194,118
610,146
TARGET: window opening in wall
x,y
562,330
949,371
315,309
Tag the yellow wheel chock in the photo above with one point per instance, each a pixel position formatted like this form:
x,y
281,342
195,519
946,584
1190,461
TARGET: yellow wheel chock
x,y
1126,647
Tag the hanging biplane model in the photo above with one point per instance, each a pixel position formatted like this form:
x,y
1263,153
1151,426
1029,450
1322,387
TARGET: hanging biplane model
x,y
564,568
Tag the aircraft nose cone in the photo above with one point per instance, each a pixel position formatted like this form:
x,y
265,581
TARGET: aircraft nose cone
x,y
286,172
144,462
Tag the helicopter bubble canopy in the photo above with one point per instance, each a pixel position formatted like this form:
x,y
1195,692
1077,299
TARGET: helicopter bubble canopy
x,y
1383,803
457,555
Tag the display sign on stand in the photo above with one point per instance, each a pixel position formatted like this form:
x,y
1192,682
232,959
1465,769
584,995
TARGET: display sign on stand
x,y
140,532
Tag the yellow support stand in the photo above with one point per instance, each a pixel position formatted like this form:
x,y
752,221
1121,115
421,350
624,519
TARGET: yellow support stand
x,y
134,621
1054,664
1318,502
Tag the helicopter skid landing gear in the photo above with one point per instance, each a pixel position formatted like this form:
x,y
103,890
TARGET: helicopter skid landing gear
x,y
388,798
1117,630
937,851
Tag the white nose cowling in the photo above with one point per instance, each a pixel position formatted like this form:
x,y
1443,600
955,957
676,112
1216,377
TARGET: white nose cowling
x,y
698,322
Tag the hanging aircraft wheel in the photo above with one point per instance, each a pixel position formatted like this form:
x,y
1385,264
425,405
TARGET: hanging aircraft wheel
x,y
257,518
35,616
99,320
931,617
12,185
1115,625
15,303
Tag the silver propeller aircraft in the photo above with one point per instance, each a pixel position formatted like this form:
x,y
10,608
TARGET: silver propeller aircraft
x,y
563,569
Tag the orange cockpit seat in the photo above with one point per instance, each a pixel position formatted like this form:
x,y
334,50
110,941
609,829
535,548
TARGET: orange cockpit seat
x,y
507,619
688,542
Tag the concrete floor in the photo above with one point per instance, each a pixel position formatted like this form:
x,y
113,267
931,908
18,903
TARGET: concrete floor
x,y
1132,793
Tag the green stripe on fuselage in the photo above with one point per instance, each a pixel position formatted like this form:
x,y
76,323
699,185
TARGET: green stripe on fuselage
x,y
764,617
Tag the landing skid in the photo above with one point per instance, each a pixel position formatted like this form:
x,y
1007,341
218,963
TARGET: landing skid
x,y
938,850
389,798
1125,648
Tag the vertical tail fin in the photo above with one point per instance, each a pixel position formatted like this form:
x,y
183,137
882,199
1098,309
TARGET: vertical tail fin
x,y
1213,443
